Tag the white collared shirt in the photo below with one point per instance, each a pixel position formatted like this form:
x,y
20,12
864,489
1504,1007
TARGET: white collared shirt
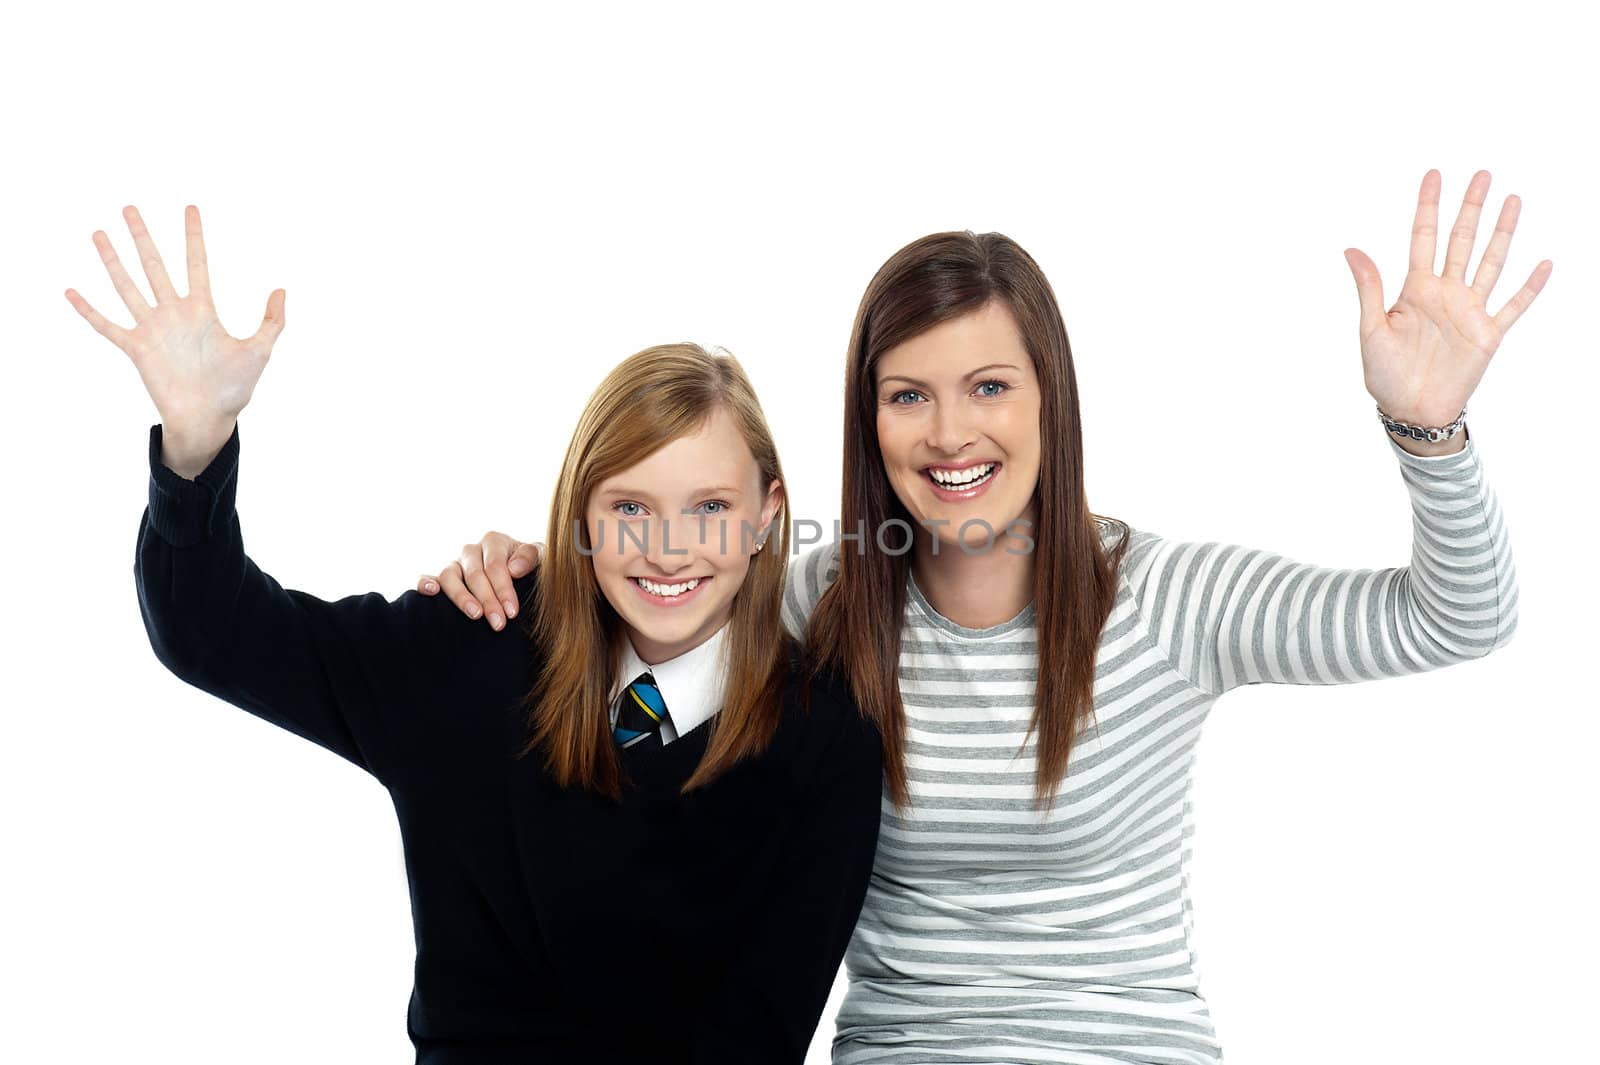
x,y
691,684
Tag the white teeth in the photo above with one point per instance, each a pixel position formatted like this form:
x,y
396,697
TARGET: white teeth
x,y
667,589
959,477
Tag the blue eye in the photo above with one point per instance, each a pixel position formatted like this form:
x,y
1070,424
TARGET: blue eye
x,y
627,503
714,503
1001,385
897,396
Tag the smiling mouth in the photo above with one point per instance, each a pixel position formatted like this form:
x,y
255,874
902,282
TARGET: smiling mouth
x,y
668,589
961,480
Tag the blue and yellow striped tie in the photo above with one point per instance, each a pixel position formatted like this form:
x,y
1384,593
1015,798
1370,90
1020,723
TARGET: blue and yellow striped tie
x,y
640,712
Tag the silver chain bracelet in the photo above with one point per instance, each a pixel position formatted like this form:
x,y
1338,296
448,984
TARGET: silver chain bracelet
x,y
1416,432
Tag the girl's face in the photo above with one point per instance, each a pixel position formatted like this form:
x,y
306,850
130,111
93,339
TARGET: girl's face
x,y
673,535
958,425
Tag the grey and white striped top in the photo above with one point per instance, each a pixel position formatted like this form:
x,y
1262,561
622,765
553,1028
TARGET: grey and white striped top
x,y
993,932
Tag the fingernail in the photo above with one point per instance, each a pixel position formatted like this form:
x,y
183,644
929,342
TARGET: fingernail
x,y
430,586
511,609
472,610
518,567
496,621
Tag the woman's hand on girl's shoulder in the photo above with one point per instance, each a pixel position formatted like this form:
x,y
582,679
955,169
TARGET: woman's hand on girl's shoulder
x,y
479,583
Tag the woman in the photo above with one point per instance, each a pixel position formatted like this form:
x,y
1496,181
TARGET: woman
x,y
613,826
1040,676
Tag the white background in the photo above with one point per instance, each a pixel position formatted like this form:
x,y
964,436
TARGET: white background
x,y
477,210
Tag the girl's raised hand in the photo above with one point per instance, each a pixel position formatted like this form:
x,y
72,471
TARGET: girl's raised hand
x,y
199,377
479,582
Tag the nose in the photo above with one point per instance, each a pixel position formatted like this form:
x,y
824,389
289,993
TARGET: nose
x,y
949,431
671,545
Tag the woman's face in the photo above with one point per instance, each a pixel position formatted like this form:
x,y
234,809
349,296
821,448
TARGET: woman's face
x,y
958,425
666,535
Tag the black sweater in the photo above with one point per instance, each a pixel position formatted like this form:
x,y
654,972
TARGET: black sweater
x,y
551,924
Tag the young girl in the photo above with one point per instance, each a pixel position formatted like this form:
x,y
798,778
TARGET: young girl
x,y
632,835
1036,908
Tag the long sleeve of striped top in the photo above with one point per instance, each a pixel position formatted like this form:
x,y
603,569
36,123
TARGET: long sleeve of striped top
x,y
1229,615
995,931
1233,615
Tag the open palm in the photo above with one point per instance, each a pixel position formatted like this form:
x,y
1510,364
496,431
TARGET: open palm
x,y
1423,357
196,373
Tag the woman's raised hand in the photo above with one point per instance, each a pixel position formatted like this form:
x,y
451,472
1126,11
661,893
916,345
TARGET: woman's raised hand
x,y
479,582
199,377
1423,357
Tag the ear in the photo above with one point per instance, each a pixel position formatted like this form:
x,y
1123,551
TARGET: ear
x,y
769,506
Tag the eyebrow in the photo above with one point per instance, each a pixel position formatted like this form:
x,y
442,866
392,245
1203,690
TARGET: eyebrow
x,y
624,490
965,377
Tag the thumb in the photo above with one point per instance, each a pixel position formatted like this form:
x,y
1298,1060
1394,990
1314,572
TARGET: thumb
x,y
1369,289
524,559
272,321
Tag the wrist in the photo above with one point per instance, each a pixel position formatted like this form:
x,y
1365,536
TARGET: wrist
x,y
1429,436
1424,449
187,450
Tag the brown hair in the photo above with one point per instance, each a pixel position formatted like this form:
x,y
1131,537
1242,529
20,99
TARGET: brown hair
x,y
650,399
856,625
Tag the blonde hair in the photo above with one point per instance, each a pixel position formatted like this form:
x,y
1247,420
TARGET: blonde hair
x,y
649,400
